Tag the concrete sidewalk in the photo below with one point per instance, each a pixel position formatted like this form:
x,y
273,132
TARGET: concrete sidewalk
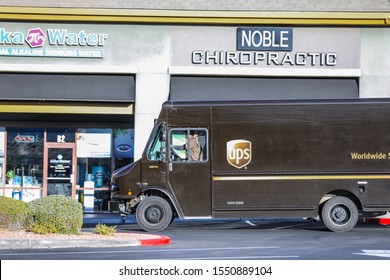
x,y
41,243
120,239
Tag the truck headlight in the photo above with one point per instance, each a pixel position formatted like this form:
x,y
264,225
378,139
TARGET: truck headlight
x,y
114,187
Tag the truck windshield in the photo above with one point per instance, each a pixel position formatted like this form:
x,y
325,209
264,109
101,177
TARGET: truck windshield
x,y
156,148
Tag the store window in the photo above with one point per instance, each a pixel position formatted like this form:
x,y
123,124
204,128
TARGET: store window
x,y
94,166
97,152
123,146
25,149
2,144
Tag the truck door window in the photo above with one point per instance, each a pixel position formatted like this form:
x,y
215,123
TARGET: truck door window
x,y
188,145
156,148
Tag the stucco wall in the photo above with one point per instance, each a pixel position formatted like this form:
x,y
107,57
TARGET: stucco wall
x,y
375,62
147,50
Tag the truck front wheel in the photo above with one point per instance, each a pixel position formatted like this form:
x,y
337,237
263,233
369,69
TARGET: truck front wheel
x,y
339,214
153,214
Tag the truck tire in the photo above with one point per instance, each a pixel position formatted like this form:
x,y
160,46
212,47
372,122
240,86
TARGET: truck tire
x,y
153,214
339,214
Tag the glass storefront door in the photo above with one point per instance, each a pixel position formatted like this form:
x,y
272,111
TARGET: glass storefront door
x,y
60,168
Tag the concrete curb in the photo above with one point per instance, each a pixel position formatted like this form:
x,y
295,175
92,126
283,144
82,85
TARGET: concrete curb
x,y
41,243
380,221
157,241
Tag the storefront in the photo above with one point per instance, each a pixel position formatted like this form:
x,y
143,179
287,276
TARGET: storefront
x,y
74,162
78,100
65,124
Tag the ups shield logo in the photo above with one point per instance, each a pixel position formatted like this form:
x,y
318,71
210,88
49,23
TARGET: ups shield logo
x,y
239,153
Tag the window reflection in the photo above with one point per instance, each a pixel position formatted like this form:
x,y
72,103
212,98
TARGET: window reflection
x,y
25,155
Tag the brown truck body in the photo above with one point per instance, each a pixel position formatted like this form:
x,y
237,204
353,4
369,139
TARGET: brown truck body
x,y
306,158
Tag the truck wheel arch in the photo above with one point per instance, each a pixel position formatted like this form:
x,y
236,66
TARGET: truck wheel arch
x,y
343,193
349,195
156,191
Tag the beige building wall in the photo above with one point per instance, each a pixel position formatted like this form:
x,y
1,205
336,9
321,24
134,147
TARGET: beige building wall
x,y
152,65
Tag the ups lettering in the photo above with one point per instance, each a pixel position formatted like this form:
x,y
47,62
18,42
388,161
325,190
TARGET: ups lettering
x,y
238,154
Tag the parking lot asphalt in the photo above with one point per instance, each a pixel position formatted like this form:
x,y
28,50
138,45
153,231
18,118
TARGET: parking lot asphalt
x,y
128,239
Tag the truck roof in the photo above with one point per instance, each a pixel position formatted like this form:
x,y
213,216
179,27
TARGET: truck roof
x,y
274,102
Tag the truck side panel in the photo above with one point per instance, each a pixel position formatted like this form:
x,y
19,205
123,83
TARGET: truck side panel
x,y
306,138
299,153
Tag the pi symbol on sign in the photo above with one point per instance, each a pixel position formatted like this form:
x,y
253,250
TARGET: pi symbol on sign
x,y
35,37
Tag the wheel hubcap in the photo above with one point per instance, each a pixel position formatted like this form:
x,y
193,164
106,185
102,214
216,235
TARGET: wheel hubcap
x,y
153,214
340,214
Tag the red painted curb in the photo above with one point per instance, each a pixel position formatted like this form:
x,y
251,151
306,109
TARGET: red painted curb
x,y
160,240
381,221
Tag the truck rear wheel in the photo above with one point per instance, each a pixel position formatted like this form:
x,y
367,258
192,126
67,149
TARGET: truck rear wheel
x,y
339,214
153,214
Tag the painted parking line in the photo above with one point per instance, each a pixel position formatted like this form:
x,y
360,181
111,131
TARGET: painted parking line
x,y
154,251
375,253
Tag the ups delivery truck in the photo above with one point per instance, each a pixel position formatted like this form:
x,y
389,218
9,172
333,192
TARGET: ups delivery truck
x,y
250,159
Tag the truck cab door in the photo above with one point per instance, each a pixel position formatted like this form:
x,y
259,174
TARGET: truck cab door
x,y
154,163
189,170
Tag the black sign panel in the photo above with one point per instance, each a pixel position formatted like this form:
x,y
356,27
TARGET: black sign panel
x,y
264,39
60,163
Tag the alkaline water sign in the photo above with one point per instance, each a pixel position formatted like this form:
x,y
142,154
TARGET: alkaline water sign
x,y
52,43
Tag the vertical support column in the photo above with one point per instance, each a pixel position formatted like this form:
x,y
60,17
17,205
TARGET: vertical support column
x,y
374,62
152,89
